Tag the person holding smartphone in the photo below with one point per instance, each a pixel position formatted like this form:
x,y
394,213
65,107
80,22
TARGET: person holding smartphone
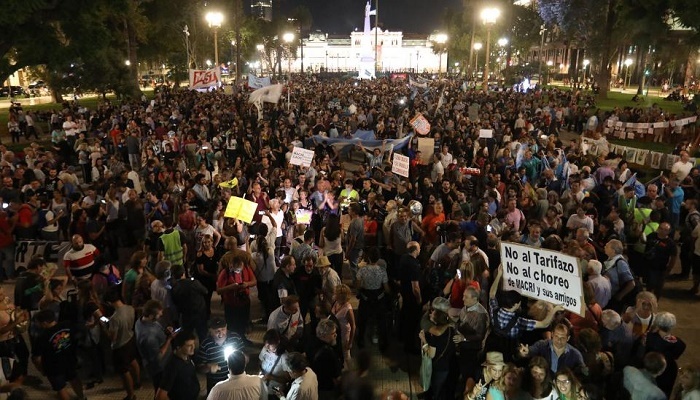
x,y
153,341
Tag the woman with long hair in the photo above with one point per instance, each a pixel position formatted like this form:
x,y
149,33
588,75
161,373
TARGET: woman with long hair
x,y
508,387
342,309
567,384
207,268
437,343
264,257
539,380
137,264
331,242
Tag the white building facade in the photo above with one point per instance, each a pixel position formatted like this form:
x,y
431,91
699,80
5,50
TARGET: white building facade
x,y
396,53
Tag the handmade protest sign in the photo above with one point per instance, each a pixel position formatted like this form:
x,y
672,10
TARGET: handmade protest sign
x,y
543,275
485,133
400,165
241,209
301,157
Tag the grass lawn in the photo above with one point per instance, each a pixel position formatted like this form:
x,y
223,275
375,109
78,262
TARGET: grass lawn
x,y
90,102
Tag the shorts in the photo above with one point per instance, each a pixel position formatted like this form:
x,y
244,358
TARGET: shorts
x,y
58,382
123,356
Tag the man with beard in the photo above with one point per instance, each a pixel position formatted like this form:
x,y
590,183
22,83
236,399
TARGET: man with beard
x,y
80,259
52,183
447,195
210,356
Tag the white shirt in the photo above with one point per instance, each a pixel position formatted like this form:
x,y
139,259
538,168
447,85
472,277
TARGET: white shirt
x,y
681,169
70,127
446,160
239,387
304,387
286,325
437,170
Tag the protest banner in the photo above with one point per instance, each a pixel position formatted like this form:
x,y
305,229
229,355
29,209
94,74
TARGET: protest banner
x,y
485,133
420,124
204,78
304,216
301,156
400,165
543,275
52,252
241,209
426,146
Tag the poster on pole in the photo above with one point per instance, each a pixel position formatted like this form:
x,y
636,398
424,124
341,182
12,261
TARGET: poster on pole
x,y
301,156
204,78
241,209
420,124
485,133
426,146
400,165
543,275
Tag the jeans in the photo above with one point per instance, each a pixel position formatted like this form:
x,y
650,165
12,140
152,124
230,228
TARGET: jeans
x,y
354,258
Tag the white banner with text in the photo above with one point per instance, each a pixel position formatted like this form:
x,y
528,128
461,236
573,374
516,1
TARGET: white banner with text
x,y
543,275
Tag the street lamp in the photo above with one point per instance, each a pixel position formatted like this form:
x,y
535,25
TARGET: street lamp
x,y
628,62
127,63
289,38
585,66
489,16
477,47
214,19
208,62
440,39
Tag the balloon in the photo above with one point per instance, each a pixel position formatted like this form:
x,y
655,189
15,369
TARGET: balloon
x,y
416,207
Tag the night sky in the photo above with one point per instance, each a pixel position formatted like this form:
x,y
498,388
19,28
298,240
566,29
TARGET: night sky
x,y
342,16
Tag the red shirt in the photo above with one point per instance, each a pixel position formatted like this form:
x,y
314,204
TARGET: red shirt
x,y
235,297
6,238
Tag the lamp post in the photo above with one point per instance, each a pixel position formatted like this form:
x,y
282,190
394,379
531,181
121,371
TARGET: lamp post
x,y
543,29
585,66
261,47
489,16
550,64
628,62
214,19
440,39
288,38
477,47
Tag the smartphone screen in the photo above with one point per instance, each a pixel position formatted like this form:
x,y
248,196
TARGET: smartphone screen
x,y
104,319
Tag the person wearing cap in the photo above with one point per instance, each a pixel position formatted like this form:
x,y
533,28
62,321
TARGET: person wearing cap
x,y
329,278
437,343
479,385
210,357
239,385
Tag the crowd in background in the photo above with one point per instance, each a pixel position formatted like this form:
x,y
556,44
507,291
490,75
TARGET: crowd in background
x,y
152,178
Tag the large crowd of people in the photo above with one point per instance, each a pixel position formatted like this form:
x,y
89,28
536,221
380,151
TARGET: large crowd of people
x,y
343,254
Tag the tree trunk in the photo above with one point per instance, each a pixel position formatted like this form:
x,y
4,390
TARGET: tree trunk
x,y
605,67
57,96
642,69
689,65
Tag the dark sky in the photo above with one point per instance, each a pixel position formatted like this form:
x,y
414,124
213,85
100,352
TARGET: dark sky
x,y
342,16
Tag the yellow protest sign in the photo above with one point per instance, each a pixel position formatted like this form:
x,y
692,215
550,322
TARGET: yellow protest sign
x,y
241,209
229,184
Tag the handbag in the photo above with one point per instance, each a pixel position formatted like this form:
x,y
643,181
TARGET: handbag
x,y
426,365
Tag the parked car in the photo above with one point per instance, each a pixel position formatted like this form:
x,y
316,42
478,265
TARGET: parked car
x,y
13,91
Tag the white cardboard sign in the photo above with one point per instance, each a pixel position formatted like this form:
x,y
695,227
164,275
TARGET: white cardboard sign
x,y
301,157
400,165
543,275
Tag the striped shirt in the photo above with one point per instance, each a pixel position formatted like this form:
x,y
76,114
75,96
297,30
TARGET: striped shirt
x,y
80,262
209,353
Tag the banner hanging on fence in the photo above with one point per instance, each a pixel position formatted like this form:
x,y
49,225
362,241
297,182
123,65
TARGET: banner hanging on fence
x,y
52,252
543,275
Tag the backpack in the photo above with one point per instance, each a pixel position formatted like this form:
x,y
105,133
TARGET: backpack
x,y
113,276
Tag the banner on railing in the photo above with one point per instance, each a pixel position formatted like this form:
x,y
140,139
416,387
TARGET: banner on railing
x,y
52,252
627,130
